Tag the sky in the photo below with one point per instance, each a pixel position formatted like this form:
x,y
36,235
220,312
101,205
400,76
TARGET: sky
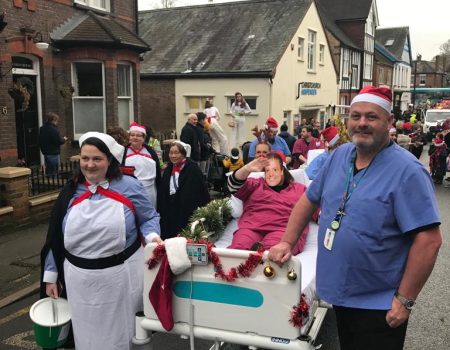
x,y
427,20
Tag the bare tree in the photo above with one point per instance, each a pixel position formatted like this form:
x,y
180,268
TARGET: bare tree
x,y
445,48
168,3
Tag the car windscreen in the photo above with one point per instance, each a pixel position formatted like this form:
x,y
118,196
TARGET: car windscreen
x,y
433,117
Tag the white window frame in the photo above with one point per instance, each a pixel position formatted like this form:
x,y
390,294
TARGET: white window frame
x,y
345,63
130,98
247,98
368,65
321,54
92,4
75,96
301,48
312,43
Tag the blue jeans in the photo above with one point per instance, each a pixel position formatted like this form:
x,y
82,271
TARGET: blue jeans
x,y
51,164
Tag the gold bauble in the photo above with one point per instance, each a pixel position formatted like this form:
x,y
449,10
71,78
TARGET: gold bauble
x,y
291,275
269,272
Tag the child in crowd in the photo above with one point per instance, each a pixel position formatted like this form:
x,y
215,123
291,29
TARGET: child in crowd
x,y
438,155
235,162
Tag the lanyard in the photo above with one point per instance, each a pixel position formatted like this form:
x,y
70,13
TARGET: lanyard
x,y
351,184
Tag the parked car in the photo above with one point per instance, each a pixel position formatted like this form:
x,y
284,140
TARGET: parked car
x,y
433,117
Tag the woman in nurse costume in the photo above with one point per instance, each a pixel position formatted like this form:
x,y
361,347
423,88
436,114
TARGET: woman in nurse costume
x,y
144,160
94,246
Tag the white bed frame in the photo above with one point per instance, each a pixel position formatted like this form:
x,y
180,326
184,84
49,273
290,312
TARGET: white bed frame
x,y
252,311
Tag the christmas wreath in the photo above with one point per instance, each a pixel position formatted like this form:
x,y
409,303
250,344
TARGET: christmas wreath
x,y
21,92
217,215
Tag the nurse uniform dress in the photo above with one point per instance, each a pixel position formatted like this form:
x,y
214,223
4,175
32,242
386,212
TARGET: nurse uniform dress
x,y
146,169
99,232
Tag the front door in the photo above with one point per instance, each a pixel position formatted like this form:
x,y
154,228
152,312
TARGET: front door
x,y
27,122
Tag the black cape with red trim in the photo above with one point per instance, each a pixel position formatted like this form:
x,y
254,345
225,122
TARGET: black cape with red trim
x,y
176,209
55,237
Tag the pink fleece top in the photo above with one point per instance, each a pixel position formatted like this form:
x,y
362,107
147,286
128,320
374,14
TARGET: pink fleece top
x,y
266,210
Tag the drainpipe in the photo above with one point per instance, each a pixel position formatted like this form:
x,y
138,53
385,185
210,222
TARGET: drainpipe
x,y
270,95
136,17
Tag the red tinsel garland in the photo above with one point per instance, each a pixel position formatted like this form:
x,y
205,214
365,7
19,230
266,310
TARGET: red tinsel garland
x,y
299,312
244,269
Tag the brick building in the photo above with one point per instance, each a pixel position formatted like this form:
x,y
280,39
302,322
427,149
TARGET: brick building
x,y
79,58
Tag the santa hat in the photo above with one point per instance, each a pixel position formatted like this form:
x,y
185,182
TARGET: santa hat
x,y
331,135
381,96
272,124
116,150
174,262
439,142
138,128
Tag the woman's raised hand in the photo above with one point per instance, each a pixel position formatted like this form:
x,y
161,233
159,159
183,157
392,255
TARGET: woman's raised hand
x,y
257,164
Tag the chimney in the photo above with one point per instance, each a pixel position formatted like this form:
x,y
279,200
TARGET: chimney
x,y
437,60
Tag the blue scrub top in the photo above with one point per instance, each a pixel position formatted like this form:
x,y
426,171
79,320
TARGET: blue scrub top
x,y
278,145
317,163
370,249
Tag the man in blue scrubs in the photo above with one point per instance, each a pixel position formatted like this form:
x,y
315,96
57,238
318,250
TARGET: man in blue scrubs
x,y
378,238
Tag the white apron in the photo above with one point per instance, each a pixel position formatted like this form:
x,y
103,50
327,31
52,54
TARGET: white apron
x,y
145,171
103,302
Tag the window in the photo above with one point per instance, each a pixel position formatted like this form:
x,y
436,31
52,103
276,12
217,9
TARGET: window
x,y
389,42
251,100
355,77
97,4
321,54
381,76
346,63
368,66
196,103
422,79
301,48
311,50
89,98
124,95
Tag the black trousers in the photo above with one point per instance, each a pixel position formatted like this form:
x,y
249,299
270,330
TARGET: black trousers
x,y
361,329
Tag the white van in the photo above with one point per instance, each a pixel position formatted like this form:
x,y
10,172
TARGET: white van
x,y
434,116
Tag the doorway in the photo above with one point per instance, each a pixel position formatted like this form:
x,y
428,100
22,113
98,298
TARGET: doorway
x,y
27,122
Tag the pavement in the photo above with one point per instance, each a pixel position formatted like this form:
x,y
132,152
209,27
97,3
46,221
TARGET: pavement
x,y
20,262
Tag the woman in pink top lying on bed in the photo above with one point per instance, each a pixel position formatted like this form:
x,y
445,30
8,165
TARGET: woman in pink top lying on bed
x,y
267,202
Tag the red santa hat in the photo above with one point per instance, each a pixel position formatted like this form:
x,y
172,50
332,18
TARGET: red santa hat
x,y
174,262
272,124
331,135
138,128
439,142
381,96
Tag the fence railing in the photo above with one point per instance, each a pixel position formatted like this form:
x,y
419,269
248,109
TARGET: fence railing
x,y
39,182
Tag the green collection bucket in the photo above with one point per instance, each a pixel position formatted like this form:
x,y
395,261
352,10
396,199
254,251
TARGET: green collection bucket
x,y
51,322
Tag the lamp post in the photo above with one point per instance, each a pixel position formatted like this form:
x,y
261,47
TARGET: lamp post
x,y
418,59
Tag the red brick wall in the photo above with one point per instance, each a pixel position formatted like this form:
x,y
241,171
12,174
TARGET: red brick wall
x,y
158,104
44,17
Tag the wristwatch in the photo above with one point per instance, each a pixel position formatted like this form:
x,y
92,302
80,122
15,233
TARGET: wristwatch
x,y
407,303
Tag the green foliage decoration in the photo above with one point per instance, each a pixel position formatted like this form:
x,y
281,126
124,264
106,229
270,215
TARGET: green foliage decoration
x,y
217,215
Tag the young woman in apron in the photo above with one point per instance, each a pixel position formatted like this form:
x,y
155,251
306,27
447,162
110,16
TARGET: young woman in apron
x,y
94,247
144,160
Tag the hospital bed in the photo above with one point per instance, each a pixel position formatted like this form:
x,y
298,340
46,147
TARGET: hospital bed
x,y
253,311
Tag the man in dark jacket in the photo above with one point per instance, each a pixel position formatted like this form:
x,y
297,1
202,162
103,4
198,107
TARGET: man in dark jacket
x,y
190,135
50,141
290,140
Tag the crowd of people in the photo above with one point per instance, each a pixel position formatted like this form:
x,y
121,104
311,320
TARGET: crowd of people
x,y
378,240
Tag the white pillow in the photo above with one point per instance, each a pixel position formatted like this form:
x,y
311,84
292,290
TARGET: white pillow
x,y
313,153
